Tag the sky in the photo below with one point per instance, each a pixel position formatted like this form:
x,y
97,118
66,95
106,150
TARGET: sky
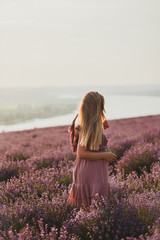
x,y
79,42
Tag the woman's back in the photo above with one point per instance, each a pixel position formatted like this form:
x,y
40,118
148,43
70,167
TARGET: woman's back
x,y
90,177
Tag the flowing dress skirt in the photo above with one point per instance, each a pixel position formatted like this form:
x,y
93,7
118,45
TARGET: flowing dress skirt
x,y
90,177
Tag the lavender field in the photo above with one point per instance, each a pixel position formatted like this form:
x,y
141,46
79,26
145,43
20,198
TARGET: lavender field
x,y
36,175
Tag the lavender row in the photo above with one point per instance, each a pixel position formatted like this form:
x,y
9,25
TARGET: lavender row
x,y
36,176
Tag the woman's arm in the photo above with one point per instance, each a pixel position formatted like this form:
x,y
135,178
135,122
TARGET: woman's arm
x,y
83,153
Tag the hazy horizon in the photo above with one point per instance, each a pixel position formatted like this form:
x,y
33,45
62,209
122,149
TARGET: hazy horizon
x,y
20,104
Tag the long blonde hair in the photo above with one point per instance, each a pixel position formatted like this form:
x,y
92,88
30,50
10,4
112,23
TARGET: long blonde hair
x,y
91,120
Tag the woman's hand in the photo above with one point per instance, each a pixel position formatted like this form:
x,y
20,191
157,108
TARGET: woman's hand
x,y
110,157
89,155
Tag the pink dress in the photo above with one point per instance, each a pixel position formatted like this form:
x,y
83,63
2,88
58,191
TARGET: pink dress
x,y
89,176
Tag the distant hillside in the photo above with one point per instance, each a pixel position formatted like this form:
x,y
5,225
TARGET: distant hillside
x,y
20,104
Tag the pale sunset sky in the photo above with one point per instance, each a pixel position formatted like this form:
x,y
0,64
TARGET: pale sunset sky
x,y
79,42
